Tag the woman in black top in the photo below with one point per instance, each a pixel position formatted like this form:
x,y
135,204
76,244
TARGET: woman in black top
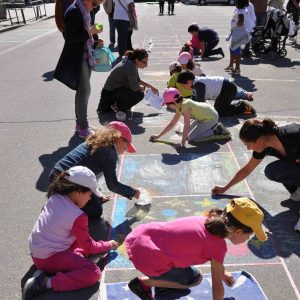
x,y
266,138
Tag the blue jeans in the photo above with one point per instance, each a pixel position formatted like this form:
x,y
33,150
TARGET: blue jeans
x,y
285,172
122,29
185,276
82,95
112,29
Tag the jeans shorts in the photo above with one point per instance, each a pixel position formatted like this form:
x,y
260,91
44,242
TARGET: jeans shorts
x,y
235,52
185,276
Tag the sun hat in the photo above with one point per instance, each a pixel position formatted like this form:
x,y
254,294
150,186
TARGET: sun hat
x,y
125,132
170,95
249,214
173,66
184,58
85,177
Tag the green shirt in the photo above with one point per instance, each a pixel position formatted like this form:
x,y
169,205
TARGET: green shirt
x,y
173,83
200,111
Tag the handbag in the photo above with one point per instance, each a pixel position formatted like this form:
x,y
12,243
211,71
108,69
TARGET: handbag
x,y
132,19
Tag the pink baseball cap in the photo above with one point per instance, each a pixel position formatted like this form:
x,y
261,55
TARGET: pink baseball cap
x,y
184,58
170,95
126,134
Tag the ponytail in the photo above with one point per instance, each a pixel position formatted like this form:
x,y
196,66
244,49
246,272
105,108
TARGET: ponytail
x,y
138,54
254,129
220,223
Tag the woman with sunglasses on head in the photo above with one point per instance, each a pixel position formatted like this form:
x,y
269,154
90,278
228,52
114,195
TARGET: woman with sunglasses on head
x,y
100,154
123,88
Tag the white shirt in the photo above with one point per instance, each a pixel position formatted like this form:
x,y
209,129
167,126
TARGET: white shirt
x,y
235,17
250,17
120,13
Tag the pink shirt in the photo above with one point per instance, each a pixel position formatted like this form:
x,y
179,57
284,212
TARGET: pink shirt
x,y
155,248
195,42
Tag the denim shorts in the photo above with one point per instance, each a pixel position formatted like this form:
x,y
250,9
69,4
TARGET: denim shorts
x,y
235,52
185,276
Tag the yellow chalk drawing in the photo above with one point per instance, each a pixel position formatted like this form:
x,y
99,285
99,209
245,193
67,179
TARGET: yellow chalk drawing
x,y
205,203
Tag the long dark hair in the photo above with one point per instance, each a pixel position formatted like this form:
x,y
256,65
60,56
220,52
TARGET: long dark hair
x,y
138,54
60,185
219,223
254,129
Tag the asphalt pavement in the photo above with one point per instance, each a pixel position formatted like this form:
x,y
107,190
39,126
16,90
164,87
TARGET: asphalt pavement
x,y
37,128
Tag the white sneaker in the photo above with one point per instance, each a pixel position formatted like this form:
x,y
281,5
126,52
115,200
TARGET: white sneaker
x,y
179,128
297,226
296,195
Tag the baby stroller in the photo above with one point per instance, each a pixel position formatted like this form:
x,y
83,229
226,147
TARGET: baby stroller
x,y
271,38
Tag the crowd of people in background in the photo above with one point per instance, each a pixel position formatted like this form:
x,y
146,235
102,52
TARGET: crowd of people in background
x,y
60,243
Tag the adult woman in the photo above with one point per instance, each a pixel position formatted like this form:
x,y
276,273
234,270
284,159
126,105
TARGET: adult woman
x,y
123,87
100,154
265,138
75,63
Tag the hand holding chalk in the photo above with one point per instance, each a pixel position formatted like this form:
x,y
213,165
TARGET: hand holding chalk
x,y
228,279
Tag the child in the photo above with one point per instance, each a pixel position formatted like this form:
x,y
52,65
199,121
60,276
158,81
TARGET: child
x,y
187,63
60,240
187,48
205,40
175,69
166,252
239,35
204,117
100,154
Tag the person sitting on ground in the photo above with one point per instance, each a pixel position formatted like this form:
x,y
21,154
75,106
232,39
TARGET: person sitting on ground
x,y
60,242
265,138
204,40
100,154
123,88
175,68
200,119
172,249
217,88
186,61
187,48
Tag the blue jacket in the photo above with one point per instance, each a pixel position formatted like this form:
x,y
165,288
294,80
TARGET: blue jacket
x,y
102,162
68,69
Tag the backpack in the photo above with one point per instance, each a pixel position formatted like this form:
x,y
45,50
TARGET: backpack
x,y
103,59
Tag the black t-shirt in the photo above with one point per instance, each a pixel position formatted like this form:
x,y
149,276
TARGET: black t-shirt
x,y
206,34
289,136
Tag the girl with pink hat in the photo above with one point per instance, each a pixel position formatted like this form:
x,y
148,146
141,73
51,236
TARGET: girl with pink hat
x,y
200,119
186,61
100,153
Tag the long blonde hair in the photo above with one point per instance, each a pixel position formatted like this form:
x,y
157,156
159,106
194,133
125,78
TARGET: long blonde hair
x,y
103,137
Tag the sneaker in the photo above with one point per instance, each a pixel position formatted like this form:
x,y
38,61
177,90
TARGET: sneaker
x,y
84,133
136,287
248,110
159,291
35,285
249,96
179,128
296,195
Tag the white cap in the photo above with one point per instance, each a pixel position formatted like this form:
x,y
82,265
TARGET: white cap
x,y
85,177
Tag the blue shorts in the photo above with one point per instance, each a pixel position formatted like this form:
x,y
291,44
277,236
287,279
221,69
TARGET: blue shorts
x,y
186,276
235,52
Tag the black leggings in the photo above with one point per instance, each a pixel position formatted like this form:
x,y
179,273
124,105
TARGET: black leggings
x,y
223,102
171,7
161,6
209,48
123,98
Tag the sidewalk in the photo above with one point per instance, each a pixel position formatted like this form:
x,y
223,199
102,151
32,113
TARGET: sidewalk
x,y
29,16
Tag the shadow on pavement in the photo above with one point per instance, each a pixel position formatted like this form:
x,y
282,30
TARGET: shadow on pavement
x,y
49,160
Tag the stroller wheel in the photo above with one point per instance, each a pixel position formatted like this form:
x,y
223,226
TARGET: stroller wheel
x,y
282,52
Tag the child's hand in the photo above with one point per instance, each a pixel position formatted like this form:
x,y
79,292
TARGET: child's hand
x,y
114,244
179,145
137,194
218,190
153,137
155,91
228,279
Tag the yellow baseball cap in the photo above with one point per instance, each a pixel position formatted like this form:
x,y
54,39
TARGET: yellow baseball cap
x,y
248,213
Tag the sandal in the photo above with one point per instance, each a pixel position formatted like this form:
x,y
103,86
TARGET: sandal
x,y
236,71
228,69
